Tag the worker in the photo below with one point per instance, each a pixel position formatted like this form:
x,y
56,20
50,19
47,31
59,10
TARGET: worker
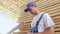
x,y
41,23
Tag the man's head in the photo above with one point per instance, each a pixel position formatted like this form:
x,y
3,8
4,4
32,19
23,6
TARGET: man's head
x,y
31,7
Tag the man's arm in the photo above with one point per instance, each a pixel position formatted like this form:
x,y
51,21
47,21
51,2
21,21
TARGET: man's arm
x,y
49,30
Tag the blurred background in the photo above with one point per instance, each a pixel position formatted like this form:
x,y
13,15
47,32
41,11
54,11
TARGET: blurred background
x,y
15,10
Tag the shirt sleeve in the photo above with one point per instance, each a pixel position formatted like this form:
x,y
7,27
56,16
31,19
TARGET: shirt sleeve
x,y
48,22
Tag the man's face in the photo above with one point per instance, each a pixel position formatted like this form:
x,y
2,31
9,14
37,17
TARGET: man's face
x,y
32,9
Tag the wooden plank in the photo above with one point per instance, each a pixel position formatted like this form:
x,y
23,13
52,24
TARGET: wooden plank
x,y
50,6
57,26
58,23
57,32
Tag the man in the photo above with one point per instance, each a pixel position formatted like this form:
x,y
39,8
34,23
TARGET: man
x,y
45,25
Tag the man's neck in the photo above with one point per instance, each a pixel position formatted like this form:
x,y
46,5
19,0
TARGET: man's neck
x,y
37,12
